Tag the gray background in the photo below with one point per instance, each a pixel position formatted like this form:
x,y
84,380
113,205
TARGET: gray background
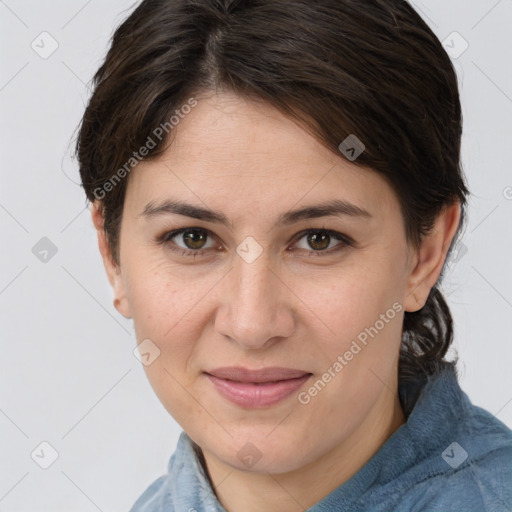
x,y
68,375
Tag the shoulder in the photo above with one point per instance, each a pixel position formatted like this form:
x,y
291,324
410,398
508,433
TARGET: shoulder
x,y
481,485
474,471
462,454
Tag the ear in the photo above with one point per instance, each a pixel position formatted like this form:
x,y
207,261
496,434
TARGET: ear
x,y
427,262
113,270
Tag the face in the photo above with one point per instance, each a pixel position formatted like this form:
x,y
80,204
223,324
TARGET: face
x,y
313,305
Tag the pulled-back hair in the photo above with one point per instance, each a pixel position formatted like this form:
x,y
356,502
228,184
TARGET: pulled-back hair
x,y
370,68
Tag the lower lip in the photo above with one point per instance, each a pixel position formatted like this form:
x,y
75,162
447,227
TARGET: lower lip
x,y
247,394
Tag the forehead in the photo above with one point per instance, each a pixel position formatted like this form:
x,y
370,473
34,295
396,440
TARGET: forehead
x,y
229,151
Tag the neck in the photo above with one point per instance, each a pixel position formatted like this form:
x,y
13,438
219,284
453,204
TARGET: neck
x,y
302,488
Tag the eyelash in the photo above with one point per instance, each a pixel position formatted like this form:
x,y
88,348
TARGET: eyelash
x,y
169,235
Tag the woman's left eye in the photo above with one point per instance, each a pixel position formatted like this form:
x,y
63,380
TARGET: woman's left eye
x,y
193,240
320,240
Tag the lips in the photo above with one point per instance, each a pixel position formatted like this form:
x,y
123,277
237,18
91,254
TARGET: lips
x,y
256,388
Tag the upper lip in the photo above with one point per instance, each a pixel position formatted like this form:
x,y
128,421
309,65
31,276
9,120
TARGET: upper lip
x,y
271,374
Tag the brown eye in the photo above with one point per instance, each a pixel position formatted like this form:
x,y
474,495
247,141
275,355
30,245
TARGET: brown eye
x,y
187,241
320,241
194,239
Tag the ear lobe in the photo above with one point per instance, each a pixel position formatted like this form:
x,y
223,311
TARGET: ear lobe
x,y
428,260
112,269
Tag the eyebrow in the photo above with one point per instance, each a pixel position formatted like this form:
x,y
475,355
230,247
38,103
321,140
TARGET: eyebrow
x,y
335,207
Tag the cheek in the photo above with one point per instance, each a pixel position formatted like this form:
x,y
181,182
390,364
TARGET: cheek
x,y
364,311
165,308
367,317
349,300
163,311
159,294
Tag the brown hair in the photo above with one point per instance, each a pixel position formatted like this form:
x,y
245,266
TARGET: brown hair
x,y
369,68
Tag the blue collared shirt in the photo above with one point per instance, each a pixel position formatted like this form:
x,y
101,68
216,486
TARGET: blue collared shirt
x,y
449,456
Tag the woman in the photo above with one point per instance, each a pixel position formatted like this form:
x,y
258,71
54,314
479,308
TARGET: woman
x,y
276,186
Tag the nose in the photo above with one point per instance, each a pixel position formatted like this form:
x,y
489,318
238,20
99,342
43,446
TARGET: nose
x,y
255,309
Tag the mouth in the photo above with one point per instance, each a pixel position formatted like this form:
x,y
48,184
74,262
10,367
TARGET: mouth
x,y
256,388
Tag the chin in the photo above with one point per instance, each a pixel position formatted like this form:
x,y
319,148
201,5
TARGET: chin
x,y
261,454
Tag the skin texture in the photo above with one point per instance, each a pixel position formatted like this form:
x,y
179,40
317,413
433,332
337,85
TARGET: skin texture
x,y
293,306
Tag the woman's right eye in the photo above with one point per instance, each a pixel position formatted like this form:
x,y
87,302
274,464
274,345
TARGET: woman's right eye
x,y
194,237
